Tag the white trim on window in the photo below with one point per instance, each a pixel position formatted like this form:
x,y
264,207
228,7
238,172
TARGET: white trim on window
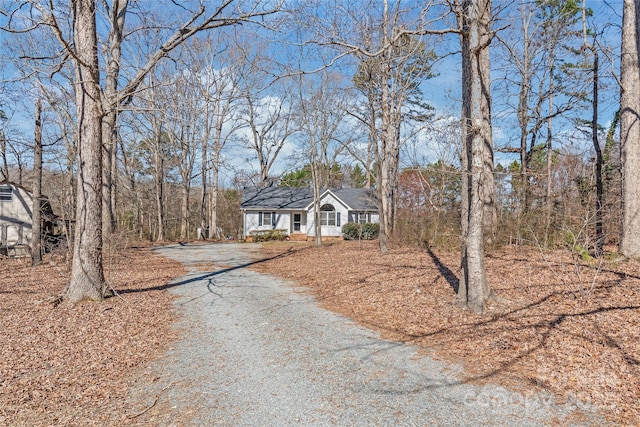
x,y
267,219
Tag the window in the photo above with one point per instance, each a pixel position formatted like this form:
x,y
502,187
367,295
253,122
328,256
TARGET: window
x,y
329,216
266,218
361,218
6,194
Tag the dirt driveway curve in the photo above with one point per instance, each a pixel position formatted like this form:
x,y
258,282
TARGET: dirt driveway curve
x,y
254,350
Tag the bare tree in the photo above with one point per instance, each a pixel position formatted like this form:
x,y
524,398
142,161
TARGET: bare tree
x,y
474,17
116,18
36,223
87,276
538,48
322,125
269,120
215,66
599,161
393,62
87,279
557,21
4,170
153,146
524,50
630,128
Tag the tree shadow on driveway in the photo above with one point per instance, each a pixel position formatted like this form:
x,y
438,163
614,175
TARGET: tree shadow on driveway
x,y
204,276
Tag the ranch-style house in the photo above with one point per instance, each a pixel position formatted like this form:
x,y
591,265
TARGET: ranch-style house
x,y
291,209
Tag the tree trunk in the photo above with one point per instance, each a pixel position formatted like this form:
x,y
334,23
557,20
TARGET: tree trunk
x,y
184,211
599,243
109,135
384,153
159,184
213,200
110,122
549,202
3,154
474,18
524,115
87,276
36,223
203,199
630,129
488,187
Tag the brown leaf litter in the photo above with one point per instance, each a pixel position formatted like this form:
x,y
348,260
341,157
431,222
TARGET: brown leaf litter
x,y
558,323
71,364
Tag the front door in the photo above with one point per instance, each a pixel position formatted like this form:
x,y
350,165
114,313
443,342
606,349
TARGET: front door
x,y
297,222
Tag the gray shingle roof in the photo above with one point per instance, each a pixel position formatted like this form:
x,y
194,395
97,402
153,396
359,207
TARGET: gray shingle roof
x,y
358,199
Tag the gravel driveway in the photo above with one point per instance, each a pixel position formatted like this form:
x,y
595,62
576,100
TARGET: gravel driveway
x,y
256,351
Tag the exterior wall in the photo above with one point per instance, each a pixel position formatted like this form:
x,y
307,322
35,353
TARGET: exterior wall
x,y
252,222
283,222
328,231
372,217
15,217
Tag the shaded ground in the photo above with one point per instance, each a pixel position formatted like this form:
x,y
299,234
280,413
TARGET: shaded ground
x,y
255,351
564,326
70,365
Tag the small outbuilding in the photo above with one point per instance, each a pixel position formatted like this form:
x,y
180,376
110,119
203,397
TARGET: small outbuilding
x,y
16,213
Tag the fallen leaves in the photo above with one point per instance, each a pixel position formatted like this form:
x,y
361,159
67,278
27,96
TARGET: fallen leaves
x,y
70,364
576,335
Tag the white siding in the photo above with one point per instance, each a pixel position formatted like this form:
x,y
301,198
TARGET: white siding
x,y
15,217
283,221
328,231
252,222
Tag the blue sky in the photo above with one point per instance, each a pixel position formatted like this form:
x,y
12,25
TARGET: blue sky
x,y
443,91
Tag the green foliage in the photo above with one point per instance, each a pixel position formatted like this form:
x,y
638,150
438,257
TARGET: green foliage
x,y
578,250
560,10
583,253
515,167
408,63
358,177
538,161
297,178
366,231
609,145
329,176
268,235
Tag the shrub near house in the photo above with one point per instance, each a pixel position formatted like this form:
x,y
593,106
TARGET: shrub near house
x,y
355,231
268,235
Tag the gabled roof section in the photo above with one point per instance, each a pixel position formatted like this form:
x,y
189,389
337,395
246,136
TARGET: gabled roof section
x,y
11,183
323,194
357,199
276,198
